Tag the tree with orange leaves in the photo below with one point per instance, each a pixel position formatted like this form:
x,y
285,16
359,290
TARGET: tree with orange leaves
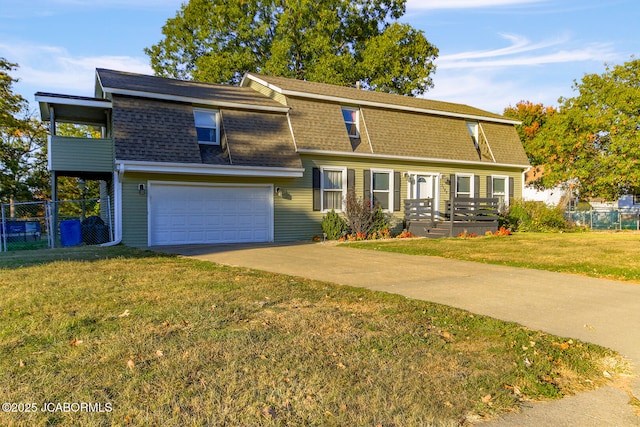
x,y
593,140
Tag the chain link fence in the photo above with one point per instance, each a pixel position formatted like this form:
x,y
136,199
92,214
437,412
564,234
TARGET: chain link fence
x,y
609,219
38,225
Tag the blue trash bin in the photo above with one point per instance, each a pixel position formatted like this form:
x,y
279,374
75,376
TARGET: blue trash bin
x,y
70,233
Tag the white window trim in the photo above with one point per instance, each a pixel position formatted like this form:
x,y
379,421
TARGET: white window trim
x,y
471,184
474,131
357,122
411,187
391,187
344,187
506,187
217,113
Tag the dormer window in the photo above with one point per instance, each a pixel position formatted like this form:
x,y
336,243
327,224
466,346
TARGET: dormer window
x,y
207,126
350,116
473,131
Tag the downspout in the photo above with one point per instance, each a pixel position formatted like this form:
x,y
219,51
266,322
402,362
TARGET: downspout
x,y
117,206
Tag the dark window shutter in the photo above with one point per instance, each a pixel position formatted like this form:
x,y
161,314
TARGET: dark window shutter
x,y
511,185
317,191
351,180
367,185
452,186
396,191
476,186
489,186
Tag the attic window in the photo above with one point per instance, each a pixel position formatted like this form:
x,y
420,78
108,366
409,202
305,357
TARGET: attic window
x,y
207,126
350,116
472,127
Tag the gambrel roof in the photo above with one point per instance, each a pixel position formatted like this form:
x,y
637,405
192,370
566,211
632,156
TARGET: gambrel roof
x,y
391,126
270,121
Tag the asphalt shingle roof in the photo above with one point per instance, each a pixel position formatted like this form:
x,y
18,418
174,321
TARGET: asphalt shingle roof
x,y
141,83
358,95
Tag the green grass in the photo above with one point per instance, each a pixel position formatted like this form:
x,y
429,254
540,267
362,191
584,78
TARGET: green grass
x,y
603,255
170,341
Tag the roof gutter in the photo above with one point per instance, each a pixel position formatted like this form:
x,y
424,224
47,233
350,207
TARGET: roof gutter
x,y
409,158
208,170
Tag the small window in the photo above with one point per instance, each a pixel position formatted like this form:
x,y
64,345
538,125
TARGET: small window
x,y
499,190
207,126
464,185
333,189
472,127
350,116
381,189
636,199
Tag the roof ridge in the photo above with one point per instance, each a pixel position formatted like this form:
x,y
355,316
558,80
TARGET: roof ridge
x,y
366,95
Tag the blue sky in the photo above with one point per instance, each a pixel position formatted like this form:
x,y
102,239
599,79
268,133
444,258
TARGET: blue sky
x,y
493,53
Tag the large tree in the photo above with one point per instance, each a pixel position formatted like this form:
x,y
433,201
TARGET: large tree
x,y
533,118
333,41
23,174
593,140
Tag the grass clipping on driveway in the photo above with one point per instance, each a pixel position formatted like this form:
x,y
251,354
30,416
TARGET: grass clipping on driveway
x,y
169,341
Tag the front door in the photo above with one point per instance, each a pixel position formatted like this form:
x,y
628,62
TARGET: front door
x,y
424,187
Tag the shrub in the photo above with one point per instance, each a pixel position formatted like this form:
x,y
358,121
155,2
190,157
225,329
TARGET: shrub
x,y
380,220
534,216
359,215
333,225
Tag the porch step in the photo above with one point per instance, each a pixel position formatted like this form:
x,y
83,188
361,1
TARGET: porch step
x,y
429,229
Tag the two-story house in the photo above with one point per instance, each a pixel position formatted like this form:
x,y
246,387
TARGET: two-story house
x,y
187,162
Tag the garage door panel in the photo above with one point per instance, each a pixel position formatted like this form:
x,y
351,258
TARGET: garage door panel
x,y
191,214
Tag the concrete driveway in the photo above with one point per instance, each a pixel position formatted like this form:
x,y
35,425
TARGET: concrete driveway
x,y
599,311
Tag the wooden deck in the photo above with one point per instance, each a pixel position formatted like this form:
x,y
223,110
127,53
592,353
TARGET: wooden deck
x,y
470,215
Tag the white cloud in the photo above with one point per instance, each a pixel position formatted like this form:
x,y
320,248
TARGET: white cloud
x,y
466,4
494,79
522,52
45,68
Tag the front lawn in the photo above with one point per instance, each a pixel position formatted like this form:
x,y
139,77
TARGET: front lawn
x,y
158,340
604,255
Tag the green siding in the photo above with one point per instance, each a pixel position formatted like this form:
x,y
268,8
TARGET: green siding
x,y
294,218
97,154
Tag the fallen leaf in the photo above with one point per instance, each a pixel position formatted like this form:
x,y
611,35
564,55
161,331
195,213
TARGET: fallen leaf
x,y
131,364
268,411
76,342
159,353
448,404
341,365
124,314
564,346
21,363
486,399
607,374
527,362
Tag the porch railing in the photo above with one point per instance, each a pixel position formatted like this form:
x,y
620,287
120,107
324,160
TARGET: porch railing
x,y
419,210
458,209
472,209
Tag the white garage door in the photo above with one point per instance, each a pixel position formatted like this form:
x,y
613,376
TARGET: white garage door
x,y
190,214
